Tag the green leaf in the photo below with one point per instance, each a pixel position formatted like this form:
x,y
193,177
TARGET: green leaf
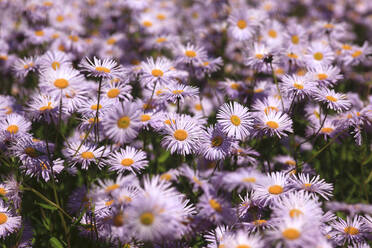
x,y
46,206
163,157
369,178
367,160
54,242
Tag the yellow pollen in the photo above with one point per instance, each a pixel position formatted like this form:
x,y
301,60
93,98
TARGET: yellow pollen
x,y
2,191
48,4
206,63
259,222
215,205
351,230
292,55
279,71
166,177
275,189
217,141
318,56
61,83
55,65
47,107
180,134
157,73
124,122
55,36
272,124
147,218
111,41
159,92
87,155
147,24
249,180
60,18
259,56
235,86
118,220
295,213
235,120
329,26
127,162
190,53
272,33
109,203
198,107
177,92
307,185
331,98
145,118
112,93
298,86
94,107
291,233
259,90
295,39
161,40
322,76
39,33
61,48
357,53
73,38
111,188
327,130
161,17
346,47
103,69
3,218
241,24
13,129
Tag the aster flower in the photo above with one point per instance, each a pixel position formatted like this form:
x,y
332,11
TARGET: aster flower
x,y
178,92
274,123
23,66
218,145
313,185
44,107
333,100
351,231
326,75
9,222
86,155
160,71
106,68
258,57
123,123
14,126
116,91
235,120
319,54
54,60
127,159
242,25
297,86
243,178
191,54
242,239
182,136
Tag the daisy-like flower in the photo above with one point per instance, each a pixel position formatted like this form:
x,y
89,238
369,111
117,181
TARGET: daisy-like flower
x,y
295,232
232,88
333,100
314,185
270,188
297,86
183,135
106,68
14,126
274,123
54,60
217,236
23,66
357,54
9,222
218,145
326,75
191,54
178,92
86,155
235,120
242,240
258,57
242,25
122,124
62,80
43,107
128,159
160,71
319,54
243,178
210,65
116,91
351,231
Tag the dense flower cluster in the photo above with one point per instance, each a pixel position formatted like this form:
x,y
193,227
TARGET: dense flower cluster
x,y
140,123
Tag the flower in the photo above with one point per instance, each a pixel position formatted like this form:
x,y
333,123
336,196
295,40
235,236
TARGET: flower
x,y
218,145
191,54
160,71
14,126
84,154
9,222
314,185
353,230
107,68
235,120
273,123
297,86
129,159
178,92
333,100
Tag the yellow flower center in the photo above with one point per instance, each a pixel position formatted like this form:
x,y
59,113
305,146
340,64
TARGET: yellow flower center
x,y
322,76
272,124
235,120
112,187
290,162
331,98
259,222
94,107
145,118
272,33
161,40
259,56
13,129
217,141
166,177
298,86
177,92
291,233
111,41
351,230
235,86
275,189
307,185
3,218
2,191
112,93
3,57
318,56
357,53
61,83
30,151
87,155
243,246
103,69
215,205
39,33
346,47
270,108
198,107
124,122
295,39
190,53
180,134
249,180
147,218
127,162
292,55
241,24
118,220
329,26
73,38
327,130
161,17
55,65
60,18
47,107
157,73
147,24
295,213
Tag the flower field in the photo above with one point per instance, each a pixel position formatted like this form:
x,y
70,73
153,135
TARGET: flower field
x,y
185,123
